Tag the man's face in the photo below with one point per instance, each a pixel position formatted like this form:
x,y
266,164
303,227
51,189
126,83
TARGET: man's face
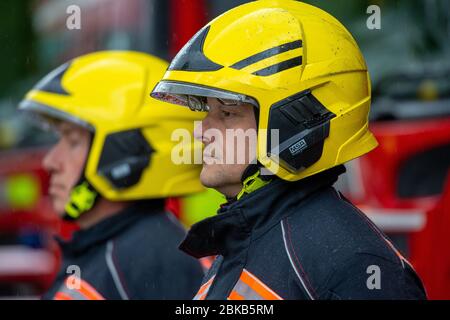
x,y
65,162
225,159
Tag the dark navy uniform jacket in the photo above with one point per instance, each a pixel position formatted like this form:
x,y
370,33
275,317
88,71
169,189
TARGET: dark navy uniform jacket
x,y
299,240
131,255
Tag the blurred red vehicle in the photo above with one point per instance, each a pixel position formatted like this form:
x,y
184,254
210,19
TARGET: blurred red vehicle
x,y
28,256
404,184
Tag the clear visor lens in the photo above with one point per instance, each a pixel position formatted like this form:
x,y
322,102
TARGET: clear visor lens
x,y
195,97
50,116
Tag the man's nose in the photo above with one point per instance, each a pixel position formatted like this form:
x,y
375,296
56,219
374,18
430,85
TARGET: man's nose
x,y
51,160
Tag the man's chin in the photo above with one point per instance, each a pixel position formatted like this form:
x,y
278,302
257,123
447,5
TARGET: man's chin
x,y
59,207
211,176
207,177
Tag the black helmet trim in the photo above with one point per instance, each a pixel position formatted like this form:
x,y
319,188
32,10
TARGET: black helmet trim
x,y
267,54
52,82
43,110
284,65
192,58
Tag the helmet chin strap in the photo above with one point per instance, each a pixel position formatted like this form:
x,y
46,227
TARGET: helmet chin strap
x,y
83,196
252,180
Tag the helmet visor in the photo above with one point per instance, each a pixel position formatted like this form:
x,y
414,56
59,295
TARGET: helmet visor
x,y
194,96
46,116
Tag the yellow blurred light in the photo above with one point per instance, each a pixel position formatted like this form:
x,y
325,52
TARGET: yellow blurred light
x,y
200,205
22,191
428,90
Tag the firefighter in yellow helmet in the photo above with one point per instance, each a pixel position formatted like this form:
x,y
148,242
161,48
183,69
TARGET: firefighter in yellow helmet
x,y
290,80
110,172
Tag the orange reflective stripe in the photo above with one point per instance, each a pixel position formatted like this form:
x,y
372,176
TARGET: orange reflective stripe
x,y
62,296
235,296
258,286
201,294
248,287
89,292
205,286
85,289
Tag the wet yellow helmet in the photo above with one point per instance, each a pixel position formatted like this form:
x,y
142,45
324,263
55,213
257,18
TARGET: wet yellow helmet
x,y
130,155
294,62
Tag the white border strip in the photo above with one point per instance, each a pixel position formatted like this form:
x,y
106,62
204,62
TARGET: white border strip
x,y
292,263
397,220
112,269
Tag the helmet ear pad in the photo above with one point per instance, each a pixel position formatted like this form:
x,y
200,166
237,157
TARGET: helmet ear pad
x,y
303,124
124,157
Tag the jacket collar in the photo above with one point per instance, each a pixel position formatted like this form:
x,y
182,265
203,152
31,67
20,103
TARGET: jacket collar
x,y
251,216
106,229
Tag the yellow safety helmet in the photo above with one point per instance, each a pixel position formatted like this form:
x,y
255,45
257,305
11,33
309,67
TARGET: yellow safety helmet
x,y
130,155
298,66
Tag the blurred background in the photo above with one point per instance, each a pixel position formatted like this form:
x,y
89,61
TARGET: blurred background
x,y
403,185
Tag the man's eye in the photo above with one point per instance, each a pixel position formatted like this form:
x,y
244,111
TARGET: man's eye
x,y
74,142
226,114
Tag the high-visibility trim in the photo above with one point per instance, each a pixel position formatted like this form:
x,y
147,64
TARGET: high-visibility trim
x,y
203,291
62,296
88,291
66,293
235,296
84,291
242,291
75,294
249,287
